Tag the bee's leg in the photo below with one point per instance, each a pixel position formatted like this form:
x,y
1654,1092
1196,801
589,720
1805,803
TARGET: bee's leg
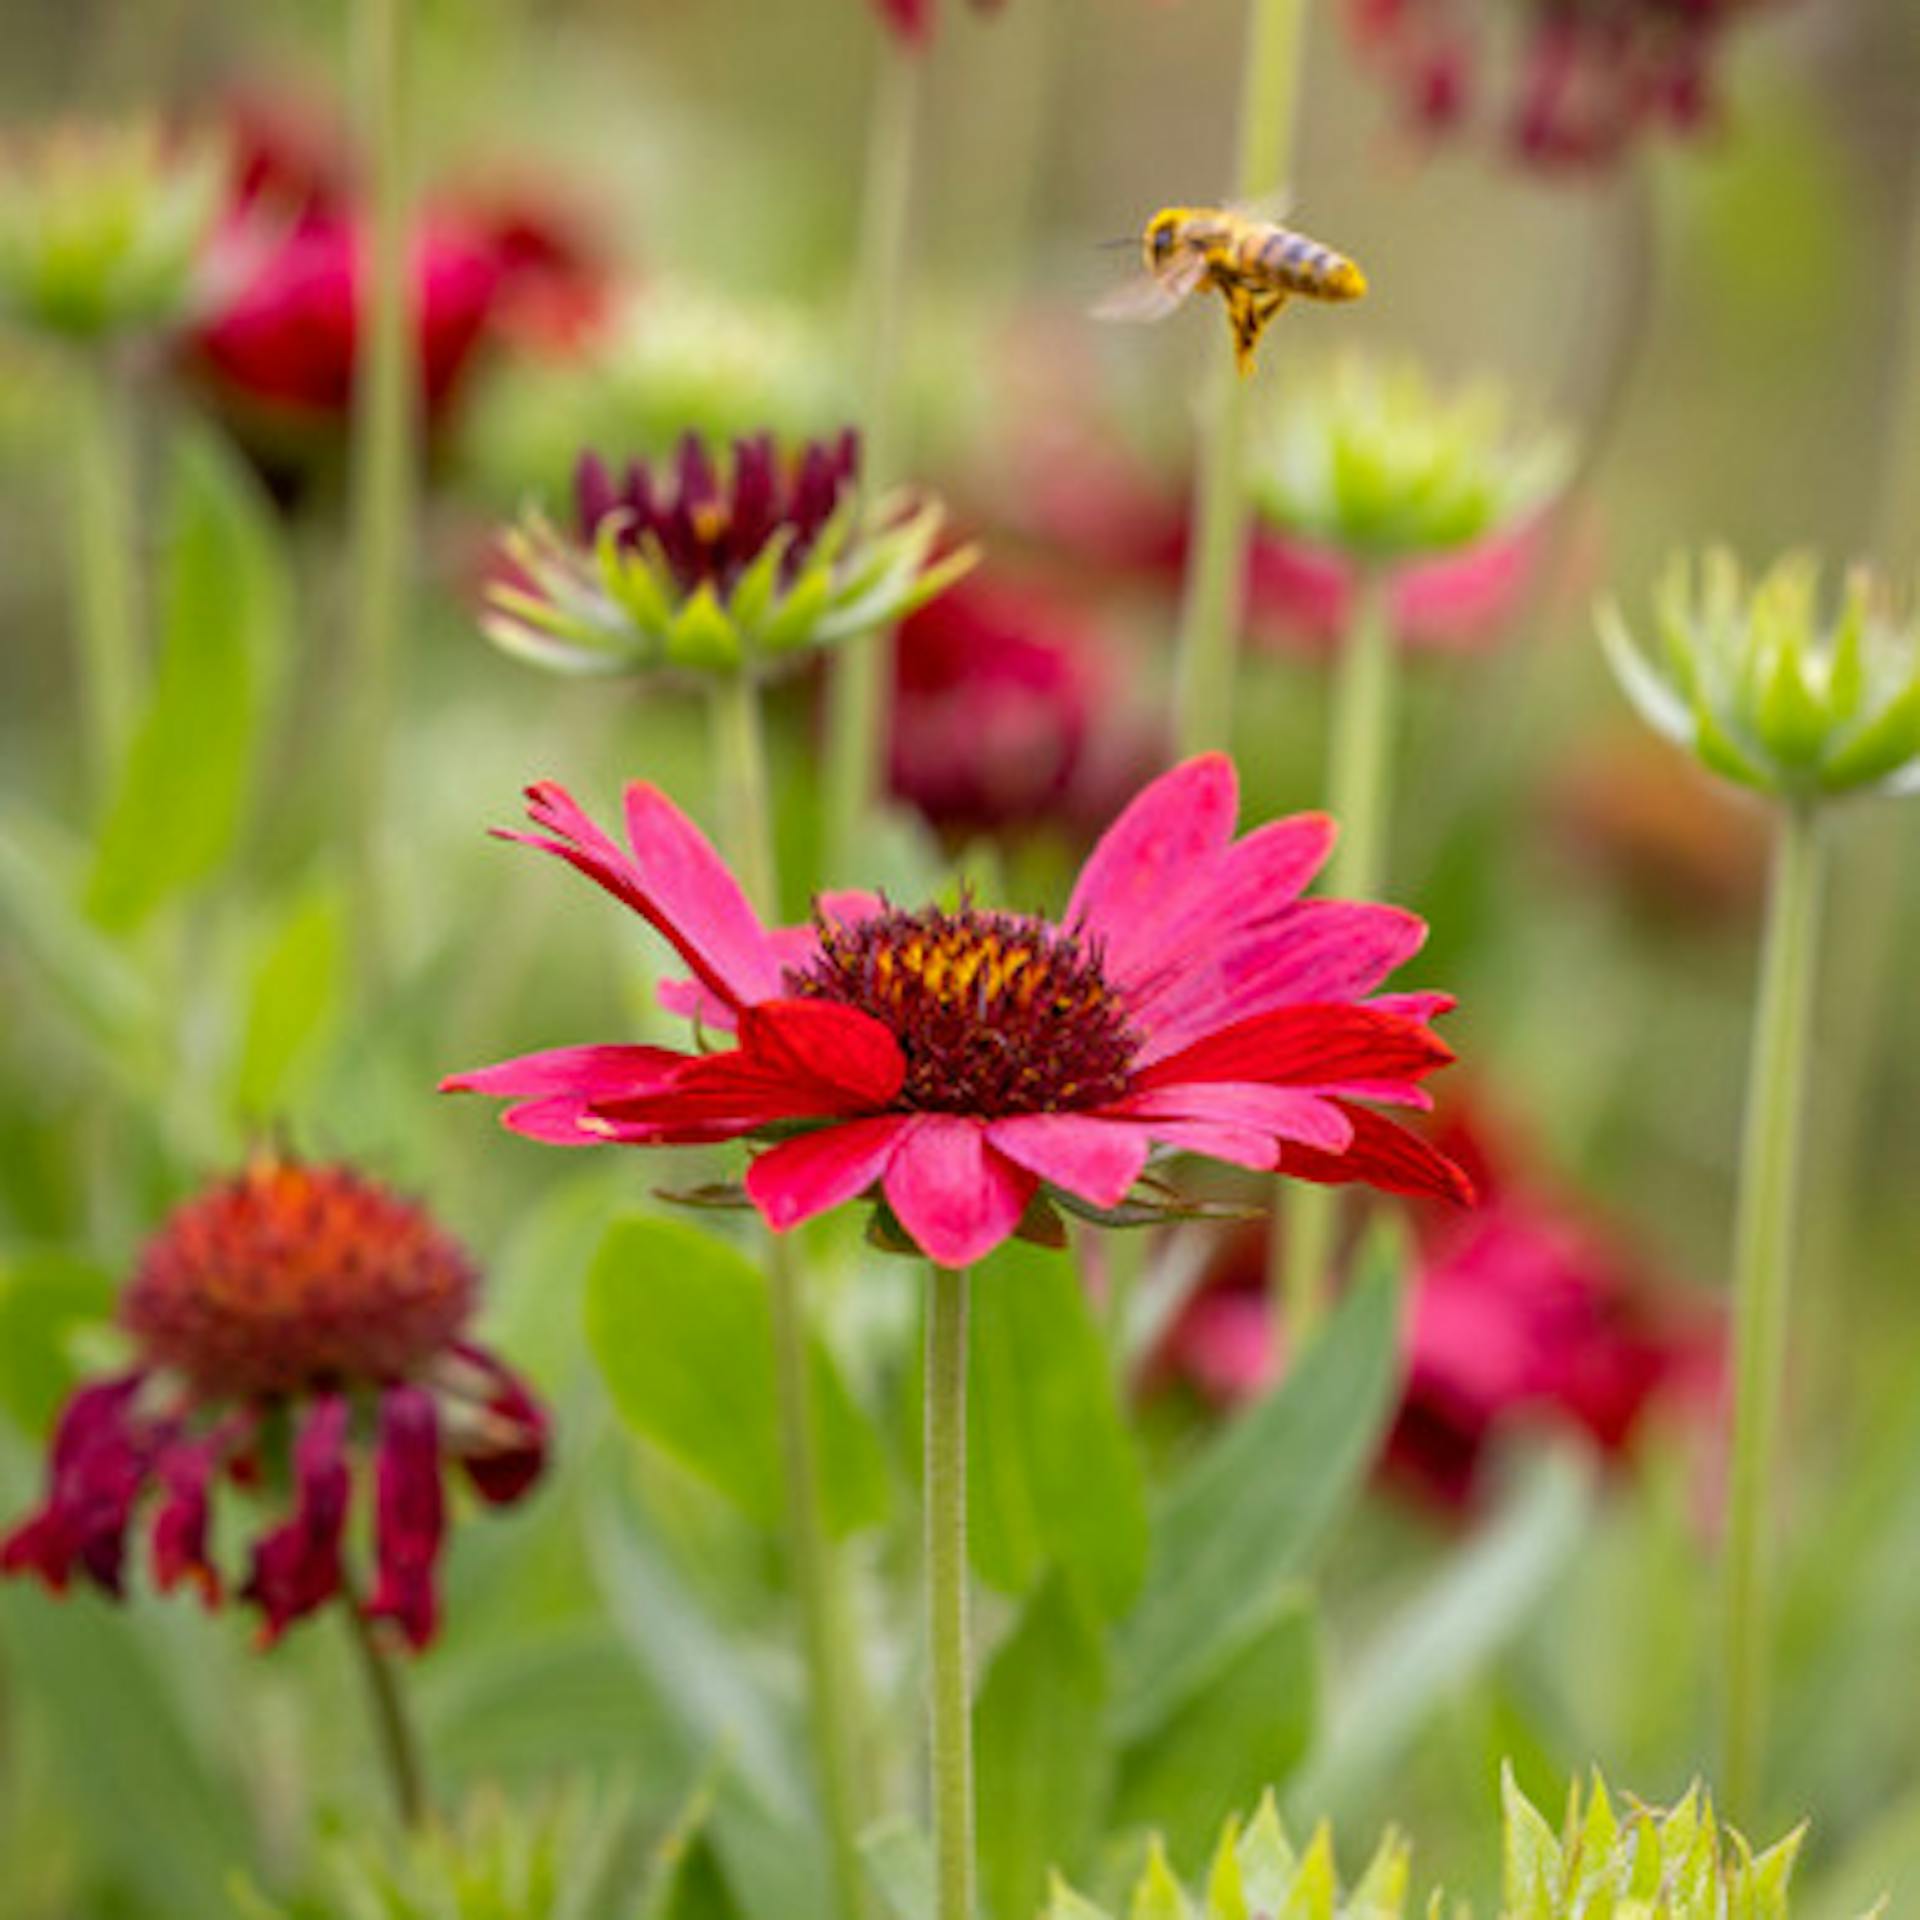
x,y
1244,318
1261,309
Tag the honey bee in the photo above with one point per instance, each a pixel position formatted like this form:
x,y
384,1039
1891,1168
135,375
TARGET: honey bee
x,y
1255,265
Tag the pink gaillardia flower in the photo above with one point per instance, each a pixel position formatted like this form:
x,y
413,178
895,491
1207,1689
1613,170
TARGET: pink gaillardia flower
x,y
297,1323
1530,1308
965,1068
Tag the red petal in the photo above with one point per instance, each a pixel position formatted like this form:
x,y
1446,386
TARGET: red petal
x,y
296,1567
411,1514
1310,1046
1382,1155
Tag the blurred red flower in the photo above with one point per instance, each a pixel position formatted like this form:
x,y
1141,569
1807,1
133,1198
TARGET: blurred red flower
x,y
1588,79
1529,1308
292,1327
913,20
1008,715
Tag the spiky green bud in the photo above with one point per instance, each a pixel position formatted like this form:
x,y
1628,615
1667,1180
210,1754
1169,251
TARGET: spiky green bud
x,y
1765,689
104,231
1376,463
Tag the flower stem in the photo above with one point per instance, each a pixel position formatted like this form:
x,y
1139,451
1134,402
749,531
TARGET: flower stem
x,y
1763,1254
856,711
104,565
1216,575
386,414
833,1675
1359,796
399,1743
950,1747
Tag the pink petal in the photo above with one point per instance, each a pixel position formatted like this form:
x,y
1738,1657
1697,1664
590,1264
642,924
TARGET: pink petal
x,y
815,1172
1306,1046
954,1195
1097,1159
1237,1146
1152,854
585,1073
1241,893
1316,950
675,882
1287,1113
794,950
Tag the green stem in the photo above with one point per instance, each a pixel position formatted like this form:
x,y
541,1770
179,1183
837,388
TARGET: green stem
x,y
386,429
393,1726
1763,1256
1359,796
950,1747
856,711
1216,576
833,1674
104,565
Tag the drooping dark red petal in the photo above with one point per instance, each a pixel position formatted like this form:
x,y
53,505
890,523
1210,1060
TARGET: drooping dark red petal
x,y
296,1567
411,1515
1384,1155
507,1451
186,1472
98,1465
593,494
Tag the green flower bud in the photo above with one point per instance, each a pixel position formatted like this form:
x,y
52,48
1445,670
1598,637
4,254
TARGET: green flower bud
x,y
1257,1872
1373,462
102,232
709,567
676,360
1759,688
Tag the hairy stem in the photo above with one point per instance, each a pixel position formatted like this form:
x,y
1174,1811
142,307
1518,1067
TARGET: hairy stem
x,y
399,1744
833,1675
385,454
1216,574
104,565
1359,796
856,708
950,1746
1763,1257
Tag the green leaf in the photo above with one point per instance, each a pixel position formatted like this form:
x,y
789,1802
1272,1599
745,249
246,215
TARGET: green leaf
x,y
1483,1594
182,796
296,992
680,1325
1159,1896
1043,1757
44,1298
1054,1479
1249,1514
1245,1730
1530,1876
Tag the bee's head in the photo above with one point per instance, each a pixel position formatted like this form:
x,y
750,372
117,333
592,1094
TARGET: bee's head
x,y
1162,231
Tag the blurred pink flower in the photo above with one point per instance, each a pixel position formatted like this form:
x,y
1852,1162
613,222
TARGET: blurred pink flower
x,y
295,1326
1590,76
1529,1308
1008,714
913,20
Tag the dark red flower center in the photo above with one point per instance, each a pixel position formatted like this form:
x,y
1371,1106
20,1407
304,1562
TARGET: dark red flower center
x,y
709,518
996,1013
292,1277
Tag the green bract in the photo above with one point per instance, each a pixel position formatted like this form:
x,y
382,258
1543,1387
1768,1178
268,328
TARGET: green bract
x,y
1763,690
1375,463
1258,1875
102,231
617,606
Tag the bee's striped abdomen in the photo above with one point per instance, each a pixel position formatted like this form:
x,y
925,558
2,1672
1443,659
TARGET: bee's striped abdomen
x,y
1304,266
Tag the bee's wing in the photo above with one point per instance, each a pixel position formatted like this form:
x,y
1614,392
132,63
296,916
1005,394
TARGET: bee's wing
x,y
1274,209
1152,296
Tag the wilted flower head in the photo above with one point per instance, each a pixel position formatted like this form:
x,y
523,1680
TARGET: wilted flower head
x,y
1765,689
1575,82
1260,1871
1530,1308
1374,462
710,563
103,230
966,1068
1008,714
296,1329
